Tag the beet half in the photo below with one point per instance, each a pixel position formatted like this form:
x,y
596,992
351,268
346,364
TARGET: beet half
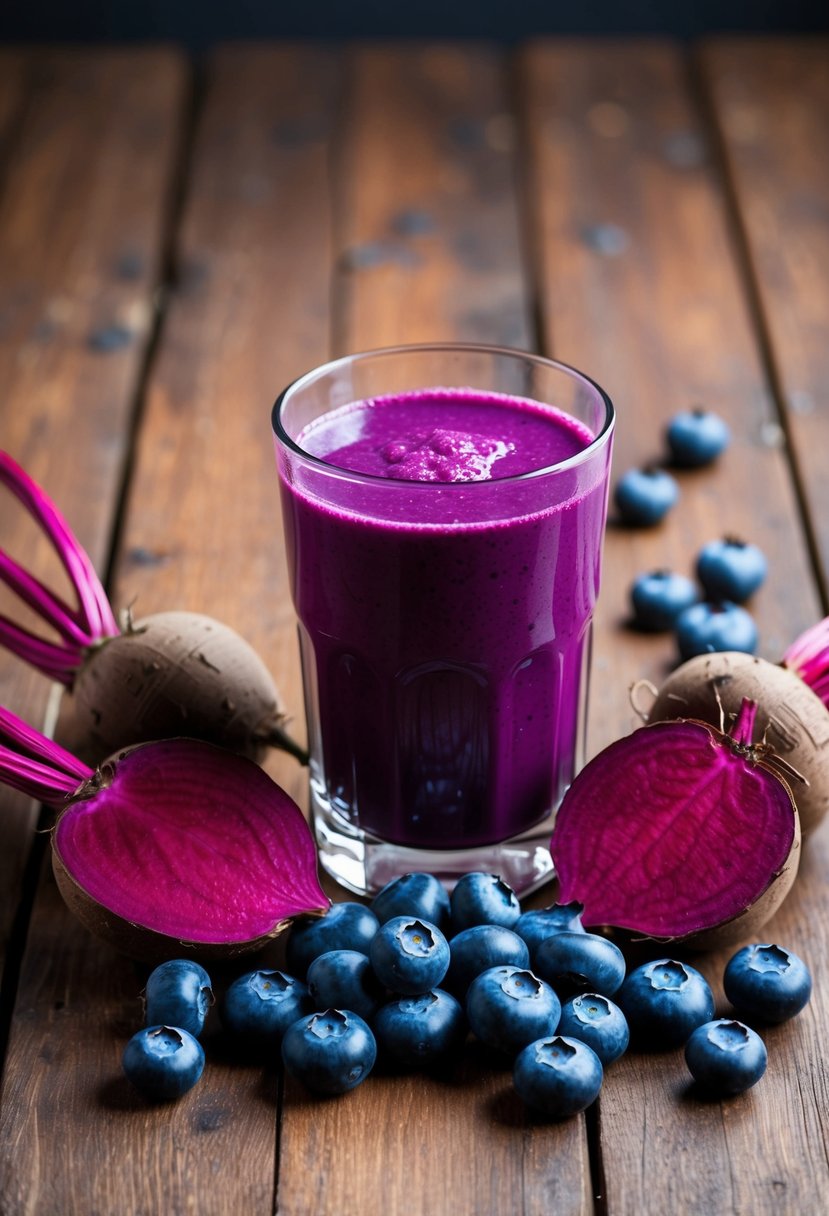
x,y
175,847
170,674
791,698
679,832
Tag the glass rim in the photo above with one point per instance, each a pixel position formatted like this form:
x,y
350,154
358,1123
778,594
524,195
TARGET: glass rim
x,y
598,441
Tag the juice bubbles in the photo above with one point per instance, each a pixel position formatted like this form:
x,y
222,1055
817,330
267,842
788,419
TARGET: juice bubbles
x,y
444,585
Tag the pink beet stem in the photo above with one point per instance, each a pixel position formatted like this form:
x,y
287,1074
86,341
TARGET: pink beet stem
x,y
80,627
56,661
808,656
742,731
36,765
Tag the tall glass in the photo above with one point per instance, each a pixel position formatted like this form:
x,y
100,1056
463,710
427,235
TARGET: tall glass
x,y
444,627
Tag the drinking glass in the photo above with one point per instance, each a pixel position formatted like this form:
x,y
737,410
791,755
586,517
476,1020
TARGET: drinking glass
x,y
444,627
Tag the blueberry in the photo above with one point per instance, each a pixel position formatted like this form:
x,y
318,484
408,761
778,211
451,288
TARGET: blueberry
x,y
418,894
558,1076
418,1031
259,1006
725,1057
344,979
345,926
409,955
711,628
664,1001
696,437
479,948
509,1007
540,923
596,1021
731,569
178,993
580,962
767,982
163,1062
329,1052
658,598
483,899
644,496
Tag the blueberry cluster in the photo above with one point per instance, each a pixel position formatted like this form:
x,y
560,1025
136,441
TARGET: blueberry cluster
x,y
706,616
410,976
712,619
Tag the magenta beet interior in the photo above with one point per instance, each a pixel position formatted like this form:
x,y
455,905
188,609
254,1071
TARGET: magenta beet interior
x,y
194,842
668,832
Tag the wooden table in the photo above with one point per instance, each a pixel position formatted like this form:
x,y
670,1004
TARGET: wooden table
x,y
176,244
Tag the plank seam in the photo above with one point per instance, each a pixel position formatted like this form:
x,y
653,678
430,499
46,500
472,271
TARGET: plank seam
x,y
166,282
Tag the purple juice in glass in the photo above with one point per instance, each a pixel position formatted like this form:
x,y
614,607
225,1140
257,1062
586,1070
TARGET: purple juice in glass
x,y
444,549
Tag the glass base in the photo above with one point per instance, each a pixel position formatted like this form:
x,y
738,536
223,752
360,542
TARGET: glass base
x,y
364,864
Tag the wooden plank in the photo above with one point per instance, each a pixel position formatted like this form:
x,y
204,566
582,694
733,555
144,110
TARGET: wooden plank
x,y
771,100
429,244
13,73
201,531
428,132
81,221
639,284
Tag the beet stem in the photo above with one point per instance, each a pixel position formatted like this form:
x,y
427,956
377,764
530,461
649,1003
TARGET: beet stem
x,y
94,609
50,607
742,732
35,765
808,657
280,739
58,662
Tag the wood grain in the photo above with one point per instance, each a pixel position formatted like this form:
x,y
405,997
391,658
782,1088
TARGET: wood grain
x,y
429,245
771,101
640,285
82,210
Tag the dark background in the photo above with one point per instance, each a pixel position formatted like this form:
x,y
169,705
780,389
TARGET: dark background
x,y
198,23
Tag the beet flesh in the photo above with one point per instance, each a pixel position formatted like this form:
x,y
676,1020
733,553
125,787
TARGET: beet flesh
x,y
677,832
794,718
182,846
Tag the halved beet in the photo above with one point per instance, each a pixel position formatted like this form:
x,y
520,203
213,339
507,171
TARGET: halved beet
x,y
181,846
795,716
679,831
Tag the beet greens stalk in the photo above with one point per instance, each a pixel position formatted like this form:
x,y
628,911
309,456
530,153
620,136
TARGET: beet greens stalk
x,y
78,628
172,674
808,656
35,765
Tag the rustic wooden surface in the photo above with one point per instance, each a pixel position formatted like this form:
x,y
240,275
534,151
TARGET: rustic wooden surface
x,y
653,215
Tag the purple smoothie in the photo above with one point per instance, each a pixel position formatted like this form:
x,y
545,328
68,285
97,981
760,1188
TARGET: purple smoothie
x,y
444,599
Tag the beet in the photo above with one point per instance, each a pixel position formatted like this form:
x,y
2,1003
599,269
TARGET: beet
x,y
170,674
175,847
176,673
790,698
679,831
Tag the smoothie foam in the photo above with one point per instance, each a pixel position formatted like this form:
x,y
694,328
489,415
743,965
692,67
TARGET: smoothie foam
x,y
444,603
